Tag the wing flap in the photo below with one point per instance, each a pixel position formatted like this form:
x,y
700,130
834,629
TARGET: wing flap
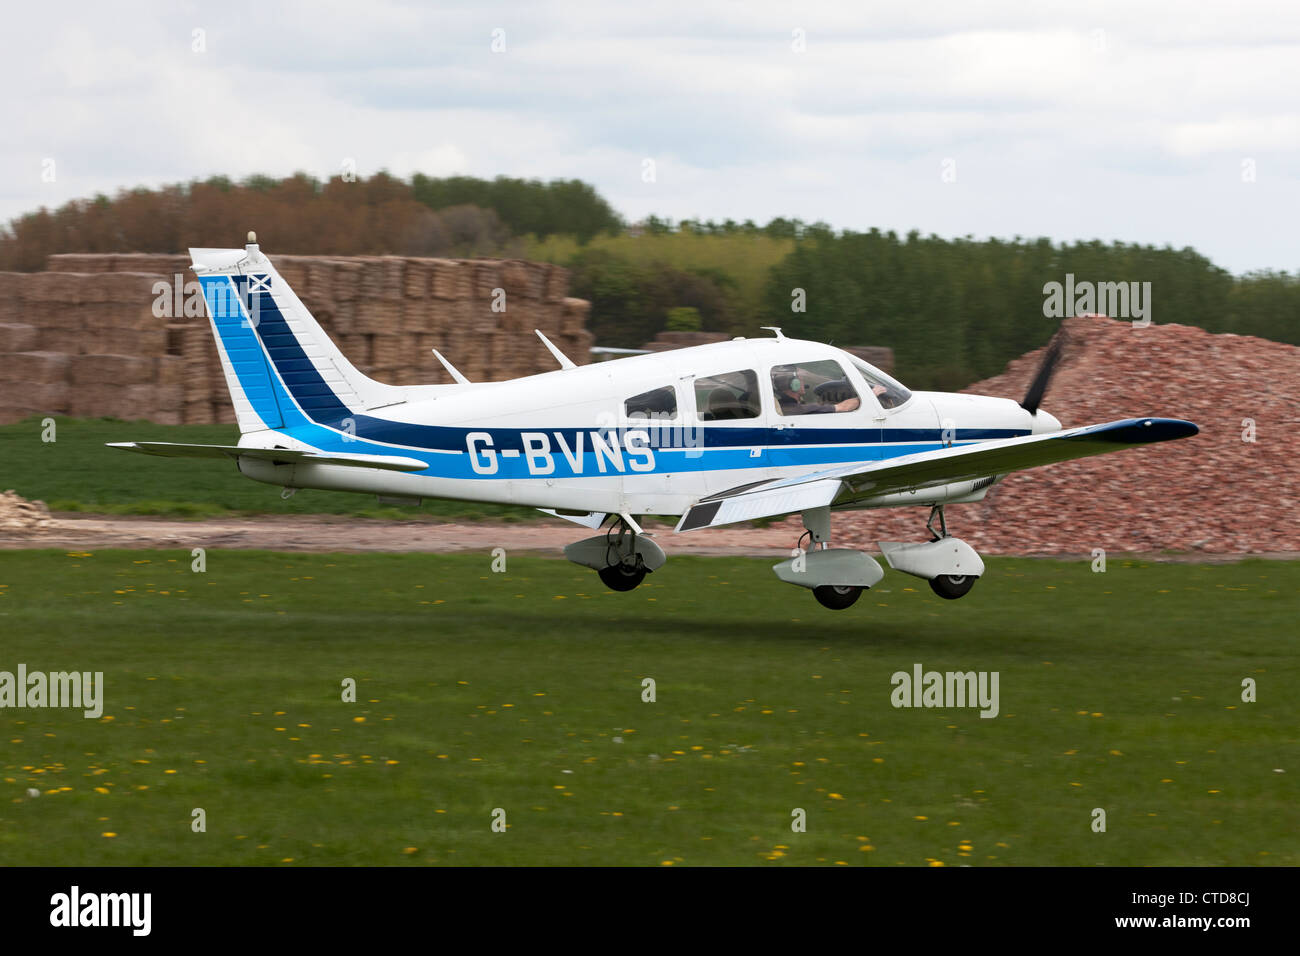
x,y
284,456
760,503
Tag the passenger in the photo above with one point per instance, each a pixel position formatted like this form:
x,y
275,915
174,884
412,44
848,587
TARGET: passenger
x,y
790,393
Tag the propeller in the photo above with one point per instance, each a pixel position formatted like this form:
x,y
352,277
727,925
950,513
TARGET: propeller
x,y
1038,387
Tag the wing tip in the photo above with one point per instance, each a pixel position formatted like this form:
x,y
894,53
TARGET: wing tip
x,y
1146,431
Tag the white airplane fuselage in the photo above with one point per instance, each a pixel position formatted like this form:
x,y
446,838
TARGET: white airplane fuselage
x,y
563,440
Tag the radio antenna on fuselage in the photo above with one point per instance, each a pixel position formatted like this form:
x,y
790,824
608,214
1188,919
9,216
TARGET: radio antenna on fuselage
x,y
451,369
564,360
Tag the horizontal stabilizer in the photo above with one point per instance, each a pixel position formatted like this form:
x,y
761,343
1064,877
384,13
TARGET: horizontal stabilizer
x,y
282,456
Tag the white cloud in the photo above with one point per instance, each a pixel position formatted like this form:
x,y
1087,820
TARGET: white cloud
x,y
1120,120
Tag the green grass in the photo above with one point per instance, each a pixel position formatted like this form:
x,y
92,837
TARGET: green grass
x,y
77,473
522,691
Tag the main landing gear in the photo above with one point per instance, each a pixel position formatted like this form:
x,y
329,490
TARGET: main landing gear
x,y
836,576
837,597
622,556
623,577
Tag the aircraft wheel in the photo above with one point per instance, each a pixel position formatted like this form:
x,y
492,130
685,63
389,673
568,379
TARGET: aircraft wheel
x,y
952,586
620,577
835,597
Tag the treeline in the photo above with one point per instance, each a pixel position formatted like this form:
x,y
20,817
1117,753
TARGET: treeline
x,y
956,311
567,207
778,228
299,215
953,310
634,279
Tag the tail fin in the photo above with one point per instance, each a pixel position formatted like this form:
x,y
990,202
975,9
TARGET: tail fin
x,y
280,366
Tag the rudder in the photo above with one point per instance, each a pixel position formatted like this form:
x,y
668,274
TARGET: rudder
x,y
280,366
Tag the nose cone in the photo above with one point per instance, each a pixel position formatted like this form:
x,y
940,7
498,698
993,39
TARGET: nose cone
x,y
1041,422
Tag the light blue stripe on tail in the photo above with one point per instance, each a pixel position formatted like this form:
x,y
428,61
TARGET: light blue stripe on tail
x,y
247,360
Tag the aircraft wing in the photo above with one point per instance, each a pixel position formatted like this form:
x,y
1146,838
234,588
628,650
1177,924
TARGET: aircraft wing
x,y
283,456
859,481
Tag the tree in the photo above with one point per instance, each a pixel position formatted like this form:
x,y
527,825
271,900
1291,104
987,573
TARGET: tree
x,y
684,318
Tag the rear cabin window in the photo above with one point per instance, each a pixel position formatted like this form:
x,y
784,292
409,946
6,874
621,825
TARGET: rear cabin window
x,y
661,403
728,396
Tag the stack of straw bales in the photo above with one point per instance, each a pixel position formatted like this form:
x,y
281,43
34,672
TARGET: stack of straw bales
x,y
125,336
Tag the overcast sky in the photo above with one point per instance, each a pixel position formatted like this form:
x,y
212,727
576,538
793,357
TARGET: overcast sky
x,y
1156,123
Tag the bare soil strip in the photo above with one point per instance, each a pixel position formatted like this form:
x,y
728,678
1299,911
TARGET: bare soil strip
x,y
342,534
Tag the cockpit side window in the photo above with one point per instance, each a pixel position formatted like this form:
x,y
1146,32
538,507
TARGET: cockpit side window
x,y
728,396
889,393
658,404
811,388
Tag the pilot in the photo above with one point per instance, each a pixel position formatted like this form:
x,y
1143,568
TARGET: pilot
x,y
790,393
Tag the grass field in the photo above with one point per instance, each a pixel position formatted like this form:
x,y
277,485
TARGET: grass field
x,y
523,691
77,473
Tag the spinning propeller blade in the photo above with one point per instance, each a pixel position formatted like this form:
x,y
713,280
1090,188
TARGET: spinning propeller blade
x,y
1038,387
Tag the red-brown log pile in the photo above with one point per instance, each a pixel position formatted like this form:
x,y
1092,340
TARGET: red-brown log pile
x,y
1234,488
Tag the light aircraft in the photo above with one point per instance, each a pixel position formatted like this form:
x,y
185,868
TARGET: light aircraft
x,y
712,434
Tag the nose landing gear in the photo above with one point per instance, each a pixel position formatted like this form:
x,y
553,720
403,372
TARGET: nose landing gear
x,y
948,564
952,586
